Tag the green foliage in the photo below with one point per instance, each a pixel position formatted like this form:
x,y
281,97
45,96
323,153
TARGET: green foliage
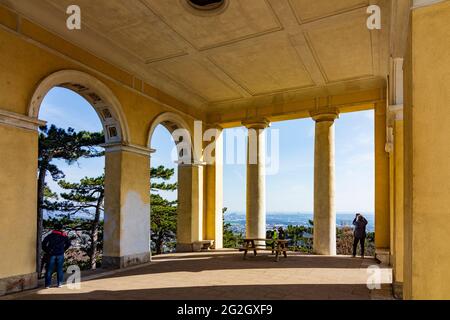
x,y
345,238
162,173
230,239
85,196
68,145
57,143
163,212
300,237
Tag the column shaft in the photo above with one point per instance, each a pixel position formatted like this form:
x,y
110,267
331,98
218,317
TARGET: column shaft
x,y
127,208
256,181
382,189
324,193
190,206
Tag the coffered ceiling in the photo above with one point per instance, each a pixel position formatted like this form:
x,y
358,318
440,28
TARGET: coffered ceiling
x,y
253,50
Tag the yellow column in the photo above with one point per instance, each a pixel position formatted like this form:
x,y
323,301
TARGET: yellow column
x,y
382,202
18,201
427,153
214,186
190,206
399,205
324,184
256,179
127,206
394,147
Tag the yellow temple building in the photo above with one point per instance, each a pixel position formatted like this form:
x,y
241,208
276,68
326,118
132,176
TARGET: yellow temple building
x,y
229,63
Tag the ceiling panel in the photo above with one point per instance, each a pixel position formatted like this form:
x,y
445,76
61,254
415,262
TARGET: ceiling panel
x,y
307,10
241,20
344,50
131,25
264,66
198,78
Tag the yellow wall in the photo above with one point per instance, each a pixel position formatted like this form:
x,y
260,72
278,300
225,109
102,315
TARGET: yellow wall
x,y
427,154
26,58
18,172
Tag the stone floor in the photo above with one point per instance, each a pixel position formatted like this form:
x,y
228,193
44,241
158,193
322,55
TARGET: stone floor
x,y
225,275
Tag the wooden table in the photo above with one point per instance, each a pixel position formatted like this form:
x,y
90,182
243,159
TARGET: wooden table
x,y
253,244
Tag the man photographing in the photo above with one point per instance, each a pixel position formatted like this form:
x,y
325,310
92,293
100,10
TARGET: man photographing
x,y
359,234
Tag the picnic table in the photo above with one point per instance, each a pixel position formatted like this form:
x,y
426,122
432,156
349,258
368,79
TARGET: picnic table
x,y
254,244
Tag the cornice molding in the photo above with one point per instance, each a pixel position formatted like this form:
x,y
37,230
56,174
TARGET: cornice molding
x,y
20,121
424,3
128,148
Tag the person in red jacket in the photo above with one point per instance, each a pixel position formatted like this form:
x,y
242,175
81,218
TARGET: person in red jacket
x,y
54,245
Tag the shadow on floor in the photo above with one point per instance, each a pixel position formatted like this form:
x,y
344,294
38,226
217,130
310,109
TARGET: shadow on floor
x,y
234,261
245,292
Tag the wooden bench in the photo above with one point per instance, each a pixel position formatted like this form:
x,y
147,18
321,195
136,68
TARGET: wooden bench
x,y
254,245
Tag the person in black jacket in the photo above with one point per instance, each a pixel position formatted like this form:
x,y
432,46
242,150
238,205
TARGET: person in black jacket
x,y
360,224
54,245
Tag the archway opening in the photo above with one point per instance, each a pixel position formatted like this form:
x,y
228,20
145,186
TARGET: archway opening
x,y
355,178
171,134
164,194
71,177
68,145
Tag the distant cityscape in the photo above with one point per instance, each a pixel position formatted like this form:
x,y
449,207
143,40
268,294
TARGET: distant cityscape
x,y
237,220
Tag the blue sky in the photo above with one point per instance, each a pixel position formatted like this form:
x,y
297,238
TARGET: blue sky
x,y
289,190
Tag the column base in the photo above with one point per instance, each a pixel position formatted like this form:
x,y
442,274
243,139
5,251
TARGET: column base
x,y
125,261
397,290
383,255
184,247
197,246
18,283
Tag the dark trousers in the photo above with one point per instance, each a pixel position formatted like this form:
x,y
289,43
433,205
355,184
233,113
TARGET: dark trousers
x,y
355,245
58,262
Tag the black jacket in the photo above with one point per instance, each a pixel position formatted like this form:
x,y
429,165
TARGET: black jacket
x,y
56,243
360,228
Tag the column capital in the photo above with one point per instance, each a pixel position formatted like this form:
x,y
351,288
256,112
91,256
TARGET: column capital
x,y
116,147
259,123
324,115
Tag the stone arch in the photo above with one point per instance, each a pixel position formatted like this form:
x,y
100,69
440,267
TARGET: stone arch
x,y
95,92
172,122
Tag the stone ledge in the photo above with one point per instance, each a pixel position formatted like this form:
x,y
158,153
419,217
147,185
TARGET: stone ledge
x,y
18,283
125,261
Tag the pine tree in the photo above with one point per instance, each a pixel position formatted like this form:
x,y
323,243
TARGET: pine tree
x,y
86,197
56,143
163,212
